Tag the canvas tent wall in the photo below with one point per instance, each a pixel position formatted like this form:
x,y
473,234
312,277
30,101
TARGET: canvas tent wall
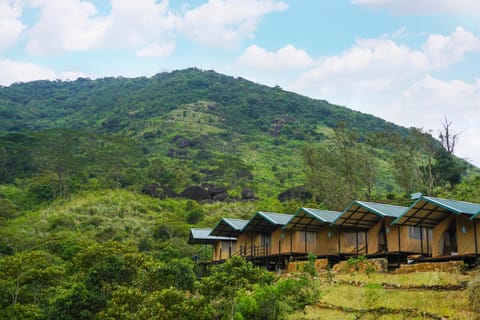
x,y
263,235
366,228
230,229
203,236
312,232
453,230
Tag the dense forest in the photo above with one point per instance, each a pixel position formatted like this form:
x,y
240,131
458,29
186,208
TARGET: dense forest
x,y
100,181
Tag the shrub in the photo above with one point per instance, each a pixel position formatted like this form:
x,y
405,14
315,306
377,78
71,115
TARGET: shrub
x,y
474,294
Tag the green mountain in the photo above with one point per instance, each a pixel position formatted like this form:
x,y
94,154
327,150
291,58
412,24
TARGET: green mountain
x,y
190,126
78,239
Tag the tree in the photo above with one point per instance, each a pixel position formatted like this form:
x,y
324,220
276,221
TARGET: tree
x,y
177,273
227,279
25,275
15,157
336,173
57,152
429,147
447,138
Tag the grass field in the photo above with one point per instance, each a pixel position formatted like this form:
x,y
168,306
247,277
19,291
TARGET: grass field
x,y
422,295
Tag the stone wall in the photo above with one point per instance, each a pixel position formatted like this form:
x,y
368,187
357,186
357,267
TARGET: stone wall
x,y
361,265
449,266
297,266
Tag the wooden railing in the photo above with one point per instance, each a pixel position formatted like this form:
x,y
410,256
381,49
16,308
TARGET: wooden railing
x,y
254,250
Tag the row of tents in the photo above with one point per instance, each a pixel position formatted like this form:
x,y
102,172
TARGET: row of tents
x,y
430,227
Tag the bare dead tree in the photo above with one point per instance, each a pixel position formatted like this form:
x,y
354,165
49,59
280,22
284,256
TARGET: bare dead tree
x,y
448,138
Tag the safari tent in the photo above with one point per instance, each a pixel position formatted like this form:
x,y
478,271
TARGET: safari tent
x,y
263,236
366,228
230,229
452,223
203,236
311,232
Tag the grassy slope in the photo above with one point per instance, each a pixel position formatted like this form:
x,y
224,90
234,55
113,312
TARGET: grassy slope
x,y
260,128
371,301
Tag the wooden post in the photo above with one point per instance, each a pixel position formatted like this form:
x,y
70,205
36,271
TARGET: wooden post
x,y
305,238
399,249
291,243
229,246
398,236
338,240
366,242
428,243
421,239
475,235
356,239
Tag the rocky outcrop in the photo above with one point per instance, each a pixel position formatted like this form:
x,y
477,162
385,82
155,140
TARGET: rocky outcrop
x,y
182,142
247,194
299,193
151,189
196,193
155,190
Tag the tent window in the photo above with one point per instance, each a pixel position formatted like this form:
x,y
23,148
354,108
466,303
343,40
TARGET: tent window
x,y
309,236
415,232
351,239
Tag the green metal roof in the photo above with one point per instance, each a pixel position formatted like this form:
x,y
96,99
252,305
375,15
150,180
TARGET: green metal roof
x,y
228,227
429,211
364,215
475,216
202,236
266,221
308,219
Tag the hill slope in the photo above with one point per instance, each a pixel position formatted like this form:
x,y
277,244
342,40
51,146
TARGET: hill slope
x,y
201,126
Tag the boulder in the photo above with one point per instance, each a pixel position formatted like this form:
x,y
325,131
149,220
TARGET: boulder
x,y
169,192
220,196
244,174
173,153
196,193
216,190
155,190
298,192
151,189
247,194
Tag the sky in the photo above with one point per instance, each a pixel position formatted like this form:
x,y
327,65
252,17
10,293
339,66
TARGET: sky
x,y
412,62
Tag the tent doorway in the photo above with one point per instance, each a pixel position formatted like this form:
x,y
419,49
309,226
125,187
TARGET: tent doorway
x,y
265,242
382,239
450,246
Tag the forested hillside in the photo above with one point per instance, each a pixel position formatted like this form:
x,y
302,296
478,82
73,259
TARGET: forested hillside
x,y
180,128
95,178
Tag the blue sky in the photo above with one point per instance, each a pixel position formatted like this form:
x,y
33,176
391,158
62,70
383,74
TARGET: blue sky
x,y
409,62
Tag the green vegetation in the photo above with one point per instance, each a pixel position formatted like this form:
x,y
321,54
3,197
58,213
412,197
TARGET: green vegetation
x,y
79,240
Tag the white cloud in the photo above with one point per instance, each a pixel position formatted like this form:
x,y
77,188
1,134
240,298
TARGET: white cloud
x,y
144,25
65,25
429,99
379,64
287,57
395,82
157,50
147,27
424,6
11,26
75,25
13,71
226,23
443,51
371,64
